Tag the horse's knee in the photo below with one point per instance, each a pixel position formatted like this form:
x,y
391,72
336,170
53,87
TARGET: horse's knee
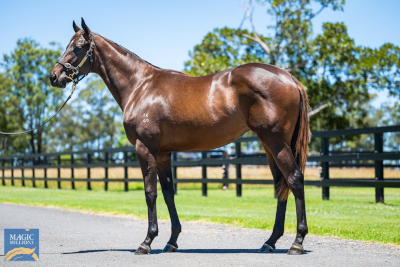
x,y
296,181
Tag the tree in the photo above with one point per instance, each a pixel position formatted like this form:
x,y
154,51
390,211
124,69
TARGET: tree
x,y
292,31
27,97
336,73
91,120
223,49
9,118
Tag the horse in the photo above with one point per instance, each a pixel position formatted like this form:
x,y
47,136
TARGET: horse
x,y
166,111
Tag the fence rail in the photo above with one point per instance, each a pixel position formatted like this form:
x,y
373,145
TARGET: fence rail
x,y
105,158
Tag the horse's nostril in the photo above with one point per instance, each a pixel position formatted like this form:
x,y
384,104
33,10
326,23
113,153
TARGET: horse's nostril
x,y
54,78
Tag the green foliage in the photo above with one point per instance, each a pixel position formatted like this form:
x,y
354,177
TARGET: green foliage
x,y
222,49
336,74
334,4
27,97
10,117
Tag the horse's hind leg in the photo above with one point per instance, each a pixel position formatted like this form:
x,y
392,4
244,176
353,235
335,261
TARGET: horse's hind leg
x,y
165,175
279,227
283,156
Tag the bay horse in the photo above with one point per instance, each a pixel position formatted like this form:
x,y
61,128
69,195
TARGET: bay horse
x,y
165,111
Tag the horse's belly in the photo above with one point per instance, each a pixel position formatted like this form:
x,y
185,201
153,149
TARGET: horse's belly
x,y
192,137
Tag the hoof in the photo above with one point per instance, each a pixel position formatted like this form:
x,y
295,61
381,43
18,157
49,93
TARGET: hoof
x,y
170,248
296,249
267,248
143,249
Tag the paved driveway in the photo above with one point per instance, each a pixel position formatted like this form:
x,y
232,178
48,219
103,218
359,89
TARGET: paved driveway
x,y
70,238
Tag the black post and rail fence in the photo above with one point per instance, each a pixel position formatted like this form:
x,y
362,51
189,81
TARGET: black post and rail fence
x,y
125,157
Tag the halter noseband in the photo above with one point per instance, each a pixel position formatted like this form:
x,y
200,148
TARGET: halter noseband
x,y
75,70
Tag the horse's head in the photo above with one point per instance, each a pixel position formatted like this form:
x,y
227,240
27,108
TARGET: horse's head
x,y
77,58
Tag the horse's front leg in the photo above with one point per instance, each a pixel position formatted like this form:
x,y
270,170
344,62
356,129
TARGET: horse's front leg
x,y
148,163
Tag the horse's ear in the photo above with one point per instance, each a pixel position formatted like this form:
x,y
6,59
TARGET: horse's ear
x,y
86,28
76,28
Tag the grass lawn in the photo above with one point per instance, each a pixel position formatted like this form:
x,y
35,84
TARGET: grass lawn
x,y
351,213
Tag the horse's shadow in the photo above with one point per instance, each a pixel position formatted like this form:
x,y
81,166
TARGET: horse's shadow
x,y
190,251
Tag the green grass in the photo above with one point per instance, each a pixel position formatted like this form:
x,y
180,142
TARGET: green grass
x,y
351,213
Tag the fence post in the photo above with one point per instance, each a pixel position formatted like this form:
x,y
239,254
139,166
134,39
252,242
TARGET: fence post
x,y
88,172
3,182
72,172
204,173
106,173
12,171
379,195
22,173
126,171
45,172
59,172
33,172
174,173
325,166
225,170
238,170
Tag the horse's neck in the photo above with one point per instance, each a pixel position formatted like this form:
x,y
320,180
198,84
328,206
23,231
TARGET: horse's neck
x,y
120,70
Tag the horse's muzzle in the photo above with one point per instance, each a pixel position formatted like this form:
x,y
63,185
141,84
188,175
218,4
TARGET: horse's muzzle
x,y
55,81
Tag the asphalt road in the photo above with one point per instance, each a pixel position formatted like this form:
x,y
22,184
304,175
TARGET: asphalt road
x,y
69,238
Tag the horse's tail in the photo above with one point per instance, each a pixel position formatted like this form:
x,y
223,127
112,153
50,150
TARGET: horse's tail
x,y
302,133
300,140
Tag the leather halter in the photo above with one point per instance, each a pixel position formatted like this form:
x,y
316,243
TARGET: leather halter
x,y
75,70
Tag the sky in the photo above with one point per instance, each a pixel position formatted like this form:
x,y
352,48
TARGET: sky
x,y
163,32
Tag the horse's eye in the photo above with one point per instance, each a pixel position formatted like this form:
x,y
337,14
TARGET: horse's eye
x,y
77,50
